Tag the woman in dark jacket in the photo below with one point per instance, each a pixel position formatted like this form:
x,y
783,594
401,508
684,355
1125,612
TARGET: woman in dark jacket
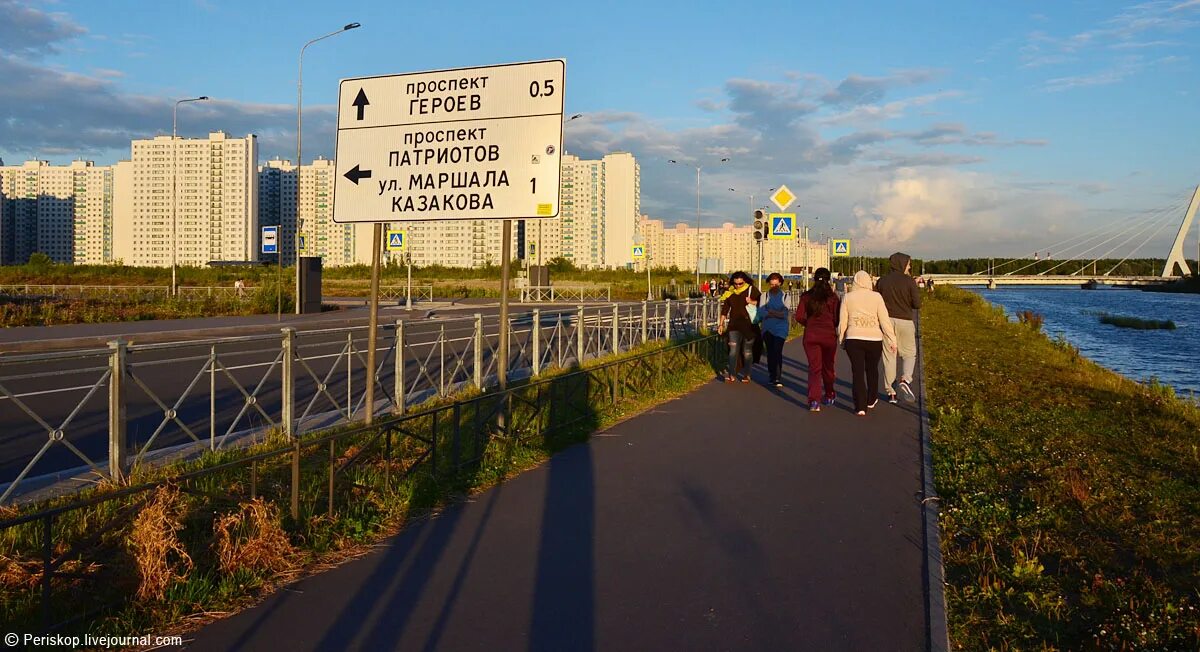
x,y
818,313
739,330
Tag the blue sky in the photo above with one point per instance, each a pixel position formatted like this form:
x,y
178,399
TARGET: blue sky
x,y
940,128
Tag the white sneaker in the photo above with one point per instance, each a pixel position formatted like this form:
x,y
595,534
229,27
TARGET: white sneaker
x,y
907,391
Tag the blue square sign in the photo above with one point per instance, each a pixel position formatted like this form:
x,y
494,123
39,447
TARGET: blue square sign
x,y
783,226
270,239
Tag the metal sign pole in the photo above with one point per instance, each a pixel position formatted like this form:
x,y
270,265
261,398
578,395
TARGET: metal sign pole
x,y
505,255
408,292
373,328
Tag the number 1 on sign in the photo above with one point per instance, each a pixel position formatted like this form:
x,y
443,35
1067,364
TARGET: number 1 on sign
x,y
533,182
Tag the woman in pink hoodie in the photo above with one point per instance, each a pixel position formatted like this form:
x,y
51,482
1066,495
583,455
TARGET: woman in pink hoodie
x,y
864,328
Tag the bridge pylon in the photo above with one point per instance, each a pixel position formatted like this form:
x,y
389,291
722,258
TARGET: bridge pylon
x,y
1176,256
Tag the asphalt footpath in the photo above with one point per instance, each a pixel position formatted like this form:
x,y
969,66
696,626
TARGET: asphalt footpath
x,y
728,519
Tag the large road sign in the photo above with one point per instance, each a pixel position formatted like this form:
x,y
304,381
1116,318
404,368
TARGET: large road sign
x,y
840,248
783,226
270,239
470,144
783,198
397,240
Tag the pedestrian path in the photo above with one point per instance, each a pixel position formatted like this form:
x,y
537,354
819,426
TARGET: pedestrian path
x,y
728,519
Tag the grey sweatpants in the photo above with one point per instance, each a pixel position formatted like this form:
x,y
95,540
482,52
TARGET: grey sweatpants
x,y
906,348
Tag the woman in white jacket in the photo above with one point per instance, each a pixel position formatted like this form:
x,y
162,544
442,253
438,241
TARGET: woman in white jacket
x,y
864,328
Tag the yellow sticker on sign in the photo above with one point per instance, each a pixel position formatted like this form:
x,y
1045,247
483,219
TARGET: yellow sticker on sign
x,y
545,209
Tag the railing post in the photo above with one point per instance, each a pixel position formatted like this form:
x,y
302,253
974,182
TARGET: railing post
x,y
580,336
667,321
117,462
212,398
289,382
645,323
537,341
616,329
478,351
398,378
442,359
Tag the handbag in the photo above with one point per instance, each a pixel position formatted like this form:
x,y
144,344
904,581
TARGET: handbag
x,y
752,310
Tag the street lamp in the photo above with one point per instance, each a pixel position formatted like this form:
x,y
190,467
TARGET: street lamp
x,y
174,198
698,168
299,161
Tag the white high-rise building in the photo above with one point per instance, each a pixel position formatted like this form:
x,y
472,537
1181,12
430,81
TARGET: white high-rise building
x,y
733,245
601,205
336,244
214,194
63,211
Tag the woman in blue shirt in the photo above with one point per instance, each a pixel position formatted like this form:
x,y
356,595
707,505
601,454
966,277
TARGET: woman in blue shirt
x,y
775,315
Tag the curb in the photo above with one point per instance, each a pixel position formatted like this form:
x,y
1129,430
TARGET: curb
x,y
937,629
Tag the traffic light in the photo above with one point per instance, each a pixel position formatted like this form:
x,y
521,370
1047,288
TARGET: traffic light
x,y
760,225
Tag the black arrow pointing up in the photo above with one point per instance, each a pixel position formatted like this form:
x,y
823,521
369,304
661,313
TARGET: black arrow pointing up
x,y
355,174
361,102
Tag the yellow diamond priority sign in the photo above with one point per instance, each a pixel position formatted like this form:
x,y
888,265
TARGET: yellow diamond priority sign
x,y
783,198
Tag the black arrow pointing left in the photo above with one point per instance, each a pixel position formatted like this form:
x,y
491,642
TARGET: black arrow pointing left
x,y
360,102
355,174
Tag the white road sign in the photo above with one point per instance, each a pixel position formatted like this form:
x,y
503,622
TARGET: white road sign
x,y
471,144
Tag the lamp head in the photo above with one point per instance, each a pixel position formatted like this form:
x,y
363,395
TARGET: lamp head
x,y
351,26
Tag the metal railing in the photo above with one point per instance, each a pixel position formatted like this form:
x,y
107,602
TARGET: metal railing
x,y
573,293
322,475
84,416
138,292
400,292
216,292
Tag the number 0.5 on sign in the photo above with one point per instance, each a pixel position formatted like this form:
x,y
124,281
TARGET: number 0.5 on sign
x,y
472,143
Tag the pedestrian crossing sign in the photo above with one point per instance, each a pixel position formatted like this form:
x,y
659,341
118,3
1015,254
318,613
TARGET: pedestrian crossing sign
x,y
841,247
783,226
639,251
396,240
303,244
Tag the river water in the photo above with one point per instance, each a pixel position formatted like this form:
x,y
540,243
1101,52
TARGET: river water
x,y
1171,356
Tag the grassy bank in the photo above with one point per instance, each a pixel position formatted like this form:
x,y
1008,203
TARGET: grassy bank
x,y
16,311
352,281
1070,495
170,558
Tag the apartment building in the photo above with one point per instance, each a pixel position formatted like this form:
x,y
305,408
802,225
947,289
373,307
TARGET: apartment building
x,y
63,211
733,245
196,197
601,206
336,244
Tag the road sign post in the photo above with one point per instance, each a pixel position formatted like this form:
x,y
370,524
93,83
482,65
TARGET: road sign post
x,y
465,144
641,253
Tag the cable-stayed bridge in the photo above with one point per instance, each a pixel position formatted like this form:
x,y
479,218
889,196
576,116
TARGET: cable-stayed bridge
x,y
1079,256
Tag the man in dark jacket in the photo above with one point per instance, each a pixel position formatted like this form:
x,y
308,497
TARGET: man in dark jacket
x,y
902,298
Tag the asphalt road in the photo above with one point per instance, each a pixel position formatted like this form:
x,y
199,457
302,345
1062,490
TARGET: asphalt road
x,y
60,391
729,519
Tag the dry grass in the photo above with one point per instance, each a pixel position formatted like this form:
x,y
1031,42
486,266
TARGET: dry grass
x,y
19,574
252,539
154,543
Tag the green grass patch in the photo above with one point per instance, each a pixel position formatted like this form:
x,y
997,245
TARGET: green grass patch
x,y
1123,321
380,484
1070,495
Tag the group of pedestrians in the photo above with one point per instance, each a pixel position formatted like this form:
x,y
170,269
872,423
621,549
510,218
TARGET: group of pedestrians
x,y
872,323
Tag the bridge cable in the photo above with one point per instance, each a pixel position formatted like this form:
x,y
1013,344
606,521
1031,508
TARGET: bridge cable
x,y
1164,218
1060,244
1104,230
1138,248
1114,236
